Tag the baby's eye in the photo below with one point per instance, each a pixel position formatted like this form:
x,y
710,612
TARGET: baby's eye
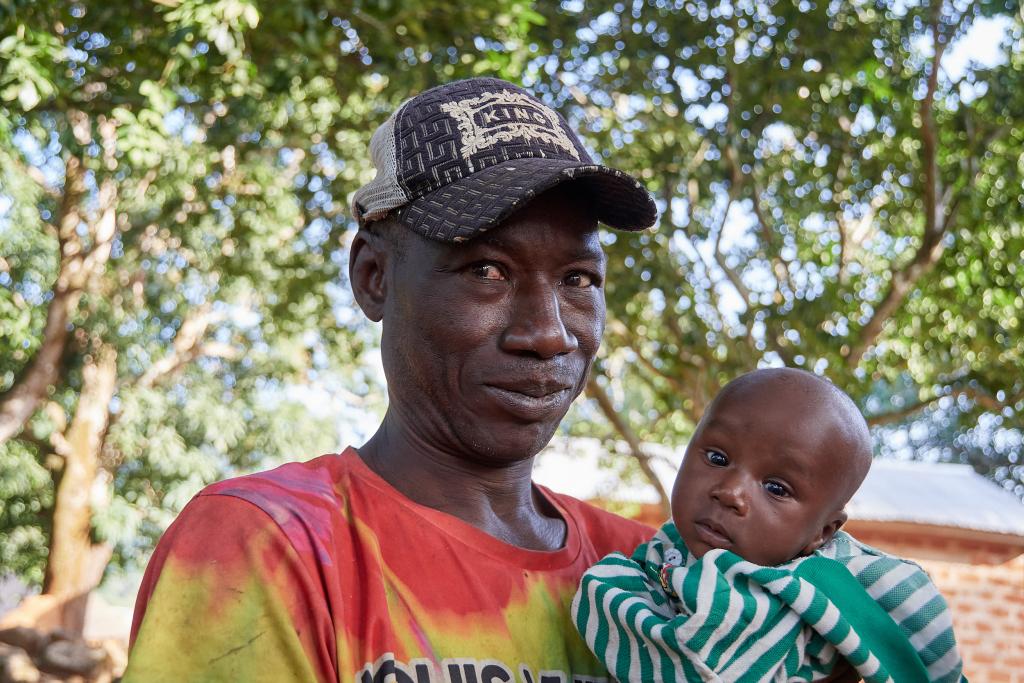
x,y
776,489
717,458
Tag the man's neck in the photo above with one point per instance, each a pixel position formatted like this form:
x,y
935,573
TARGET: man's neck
x,y
499,500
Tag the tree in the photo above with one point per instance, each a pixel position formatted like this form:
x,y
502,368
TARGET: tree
x,y
833,199
172,228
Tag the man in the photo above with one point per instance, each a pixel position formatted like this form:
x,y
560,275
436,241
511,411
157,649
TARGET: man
x,y
427,554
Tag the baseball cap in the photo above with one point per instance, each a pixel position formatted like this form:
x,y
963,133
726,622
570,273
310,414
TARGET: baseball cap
x,y
456,160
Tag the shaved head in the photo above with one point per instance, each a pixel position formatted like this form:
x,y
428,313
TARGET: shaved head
x,y
810,395
771,467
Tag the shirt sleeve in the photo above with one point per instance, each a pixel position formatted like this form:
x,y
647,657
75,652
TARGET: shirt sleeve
x,y
227,597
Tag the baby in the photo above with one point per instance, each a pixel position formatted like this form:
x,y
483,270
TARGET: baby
x,y
752,579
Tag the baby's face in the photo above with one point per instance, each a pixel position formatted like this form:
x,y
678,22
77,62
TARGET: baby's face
x,y
764,477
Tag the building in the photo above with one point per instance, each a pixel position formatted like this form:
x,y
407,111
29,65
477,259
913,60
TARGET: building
x,y
968,534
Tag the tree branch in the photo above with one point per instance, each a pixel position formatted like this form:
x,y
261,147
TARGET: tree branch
x,y
732,275
935,216
183,349
780,266
677,383
19,402
700,260
900,414
55,443
36,176
78,270
188,346
861,230
979,396
595,391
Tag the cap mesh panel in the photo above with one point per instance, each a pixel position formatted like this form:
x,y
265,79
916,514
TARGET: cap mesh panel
x,y
382,194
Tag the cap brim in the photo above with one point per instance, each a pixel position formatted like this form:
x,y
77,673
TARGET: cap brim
x,y
469,206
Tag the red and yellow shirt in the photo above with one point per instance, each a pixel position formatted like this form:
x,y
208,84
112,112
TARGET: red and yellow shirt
x,y
321,571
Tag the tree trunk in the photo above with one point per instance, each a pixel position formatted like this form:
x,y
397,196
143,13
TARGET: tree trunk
x,y
75,564
19,402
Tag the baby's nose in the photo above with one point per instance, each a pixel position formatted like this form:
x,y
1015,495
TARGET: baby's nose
x,y
732,494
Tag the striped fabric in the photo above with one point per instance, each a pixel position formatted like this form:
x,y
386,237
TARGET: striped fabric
x,y
664,615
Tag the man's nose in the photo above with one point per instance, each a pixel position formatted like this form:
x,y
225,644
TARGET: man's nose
x,y
731,493
535,325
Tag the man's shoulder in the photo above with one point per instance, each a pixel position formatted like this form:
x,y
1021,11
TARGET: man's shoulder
x,y
230,542
300,476
607,531
289,489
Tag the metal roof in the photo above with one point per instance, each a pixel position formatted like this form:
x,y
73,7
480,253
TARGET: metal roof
x,y
938,494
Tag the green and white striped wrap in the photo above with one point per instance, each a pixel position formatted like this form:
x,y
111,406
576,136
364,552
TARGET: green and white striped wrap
x,y
726,619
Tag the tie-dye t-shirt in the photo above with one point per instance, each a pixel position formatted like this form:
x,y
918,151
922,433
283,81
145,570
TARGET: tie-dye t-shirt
x,y
321,571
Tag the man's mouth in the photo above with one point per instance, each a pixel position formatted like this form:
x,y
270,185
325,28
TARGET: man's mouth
x,y
530,400
532,388
712,533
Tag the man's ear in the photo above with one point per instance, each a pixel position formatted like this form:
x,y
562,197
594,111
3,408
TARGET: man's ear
x,y
367,271
827,532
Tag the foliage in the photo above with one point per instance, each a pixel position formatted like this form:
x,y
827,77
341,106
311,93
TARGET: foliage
x,y
223,138
828,203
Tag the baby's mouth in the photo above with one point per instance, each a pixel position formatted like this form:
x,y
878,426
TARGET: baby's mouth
x,y
712,533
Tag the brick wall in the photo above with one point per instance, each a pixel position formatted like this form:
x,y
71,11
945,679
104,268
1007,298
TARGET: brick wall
x,y
983,582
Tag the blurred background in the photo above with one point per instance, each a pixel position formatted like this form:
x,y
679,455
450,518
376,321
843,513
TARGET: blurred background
x,y
840,186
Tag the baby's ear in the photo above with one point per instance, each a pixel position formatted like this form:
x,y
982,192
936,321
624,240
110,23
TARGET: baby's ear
x,y
827,532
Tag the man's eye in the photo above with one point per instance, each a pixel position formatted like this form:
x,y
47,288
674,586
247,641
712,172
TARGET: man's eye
x,y
487,271
717,458
578,279
776,489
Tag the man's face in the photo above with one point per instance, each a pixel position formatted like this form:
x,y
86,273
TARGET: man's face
x,y
487,343
760,478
